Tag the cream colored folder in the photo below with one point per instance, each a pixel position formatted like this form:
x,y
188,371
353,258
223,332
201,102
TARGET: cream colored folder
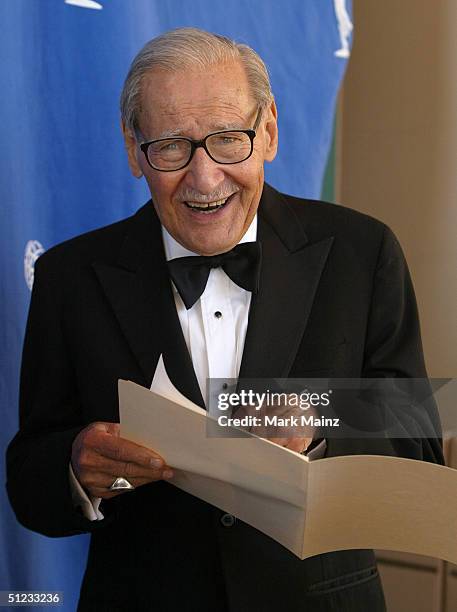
x,y
338,503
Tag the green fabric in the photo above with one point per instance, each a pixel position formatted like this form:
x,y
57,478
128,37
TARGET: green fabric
x,y
328,185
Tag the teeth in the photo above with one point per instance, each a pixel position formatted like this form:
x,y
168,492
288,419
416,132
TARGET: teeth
x,y
207,206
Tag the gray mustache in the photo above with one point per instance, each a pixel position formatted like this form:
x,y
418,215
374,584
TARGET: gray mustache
x,y
193,196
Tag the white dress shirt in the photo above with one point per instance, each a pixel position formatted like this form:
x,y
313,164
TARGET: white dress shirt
x,y
215,327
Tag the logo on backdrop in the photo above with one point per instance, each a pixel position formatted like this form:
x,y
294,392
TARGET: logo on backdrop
x,y
33,249
91,4
345,28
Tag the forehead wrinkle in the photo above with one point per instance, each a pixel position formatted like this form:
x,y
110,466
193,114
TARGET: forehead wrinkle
x,y
196,102
238,121
213,127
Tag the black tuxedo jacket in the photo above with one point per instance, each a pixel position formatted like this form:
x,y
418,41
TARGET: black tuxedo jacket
x,y
335,300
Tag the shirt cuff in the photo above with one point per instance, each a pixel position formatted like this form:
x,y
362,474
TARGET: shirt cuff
x,y
89,505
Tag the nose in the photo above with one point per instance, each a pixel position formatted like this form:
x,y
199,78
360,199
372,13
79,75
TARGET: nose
x,y
203,174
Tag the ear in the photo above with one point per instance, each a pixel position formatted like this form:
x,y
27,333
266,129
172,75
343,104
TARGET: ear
x,y
271,132
132,150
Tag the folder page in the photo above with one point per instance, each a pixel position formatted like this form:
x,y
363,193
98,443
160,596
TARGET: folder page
x,y
257,481
387,503
336,503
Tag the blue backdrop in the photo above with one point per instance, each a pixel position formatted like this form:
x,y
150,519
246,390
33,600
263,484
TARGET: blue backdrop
x,y
64,171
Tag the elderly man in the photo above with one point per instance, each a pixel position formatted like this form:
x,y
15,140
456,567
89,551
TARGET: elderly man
x,y
311,290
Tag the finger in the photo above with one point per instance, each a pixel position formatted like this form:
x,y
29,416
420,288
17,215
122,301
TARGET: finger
x,y
103,482
298,444
111,428
94,438
114,429
93,462
279,441
101,487
120,449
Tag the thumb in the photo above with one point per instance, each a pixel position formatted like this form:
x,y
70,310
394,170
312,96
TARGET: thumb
x,y
110,428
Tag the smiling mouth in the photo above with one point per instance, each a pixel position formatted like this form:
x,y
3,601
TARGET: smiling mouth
x,y
208,207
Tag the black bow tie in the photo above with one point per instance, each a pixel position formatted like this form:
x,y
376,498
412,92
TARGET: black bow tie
x,y
241,264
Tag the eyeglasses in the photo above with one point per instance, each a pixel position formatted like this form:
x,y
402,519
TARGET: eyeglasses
x,y
224,147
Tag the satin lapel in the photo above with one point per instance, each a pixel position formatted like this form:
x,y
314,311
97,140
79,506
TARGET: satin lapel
x,y
139,292
291,270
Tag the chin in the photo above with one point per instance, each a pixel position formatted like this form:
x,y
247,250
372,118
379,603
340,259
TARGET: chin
x,y
207,251
212,247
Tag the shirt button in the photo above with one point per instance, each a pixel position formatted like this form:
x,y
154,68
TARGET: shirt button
x,y
224,385
218,314
228,520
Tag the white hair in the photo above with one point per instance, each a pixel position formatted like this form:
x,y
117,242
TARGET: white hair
x,y
189,48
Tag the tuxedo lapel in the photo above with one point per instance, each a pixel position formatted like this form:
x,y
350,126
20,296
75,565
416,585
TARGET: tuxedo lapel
x,y
291,270
139,292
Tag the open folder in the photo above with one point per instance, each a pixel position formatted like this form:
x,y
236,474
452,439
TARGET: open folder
x,y
310,507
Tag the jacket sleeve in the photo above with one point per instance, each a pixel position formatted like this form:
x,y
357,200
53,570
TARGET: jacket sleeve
x,y
50,418
393,350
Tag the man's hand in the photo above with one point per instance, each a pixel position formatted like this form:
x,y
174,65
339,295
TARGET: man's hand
x,y
294,437
99,456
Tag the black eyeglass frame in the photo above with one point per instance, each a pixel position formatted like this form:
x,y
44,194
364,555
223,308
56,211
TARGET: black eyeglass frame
x,y
195,144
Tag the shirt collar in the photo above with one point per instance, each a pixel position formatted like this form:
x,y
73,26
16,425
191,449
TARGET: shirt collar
x,y
174,249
